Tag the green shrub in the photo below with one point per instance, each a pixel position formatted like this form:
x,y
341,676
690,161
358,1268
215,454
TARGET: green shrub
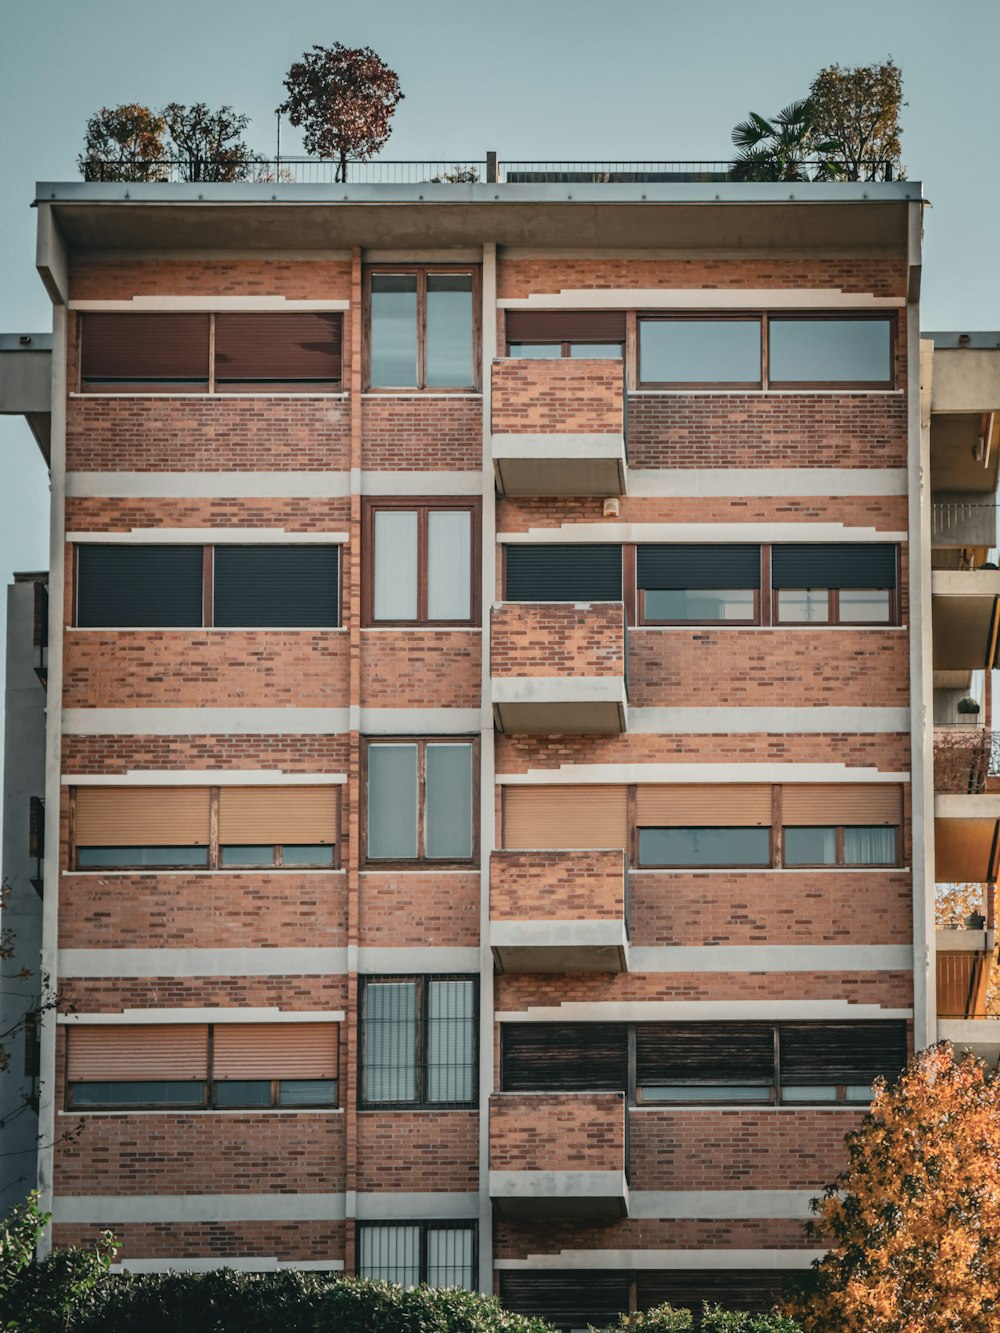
x,y
668,1319
354,1305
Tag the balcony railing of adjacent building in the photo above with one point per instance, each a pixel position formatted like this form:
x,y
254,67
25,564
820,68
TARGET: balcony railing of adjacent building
x,y
963,523
964,758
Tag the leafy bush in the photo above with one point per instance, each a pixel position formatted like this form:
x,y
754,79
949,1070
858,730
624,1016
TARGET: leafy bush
x,y
40,1298
358,1306
669,1319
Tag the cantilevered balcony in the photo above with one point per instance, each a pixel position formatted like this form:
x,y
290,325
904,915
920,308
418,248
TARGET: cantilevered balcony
x,y
559,911
965,611
559,668
559,1156
559,426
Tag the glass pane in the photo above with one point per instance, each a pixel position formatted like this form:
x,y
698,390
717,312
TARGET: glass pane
x,y
307,1092
858,1092
450,1041
827,1093
698,604
394,330
392,801
242,1092
830,350
303,855
257,855
870,846
395,578
536,351
390,1254
865,604
670,1092
449,801
596,351
705,846
699,351
137,858
810,846
449,564
390,1050
803,606
449,331
152,1093
449,1257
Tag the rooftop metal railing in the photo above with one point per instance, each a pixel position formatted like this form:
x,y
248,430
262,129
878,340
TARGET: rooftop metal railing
x,y
958,523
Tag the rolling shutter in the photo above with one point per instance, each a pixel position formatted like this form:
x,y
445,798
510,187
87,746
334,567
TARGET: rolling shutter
x,y
139,586
749,1291
702,805
844,565
823,1053
841,803
563,573
138,1053
275,1050
564,1057
664,567
709,1053
565,817
269,815
566,326
573,1298
142,817
295,349
293,586
159,349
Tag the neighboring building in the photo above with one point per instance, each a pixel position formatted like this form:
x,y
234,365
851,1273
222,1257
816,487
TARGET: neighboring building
x,y
489,822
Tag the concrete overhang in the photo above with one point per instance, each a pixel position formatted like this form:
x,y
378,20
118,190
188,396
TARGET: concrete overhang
x,y
26,382
965,453
847,218
560,946
965,941
568,465
979,1035
544,1196
966,374
560,705
964,844
963,611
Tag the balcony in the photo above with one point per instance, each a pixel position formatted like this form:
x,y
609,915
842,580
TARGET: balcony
x,y
966,805
559,1156
979,1035
559,427
559,911
559,668
965,618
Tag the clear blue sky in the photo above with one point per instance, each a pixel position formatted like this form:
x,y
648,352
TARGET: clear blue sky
x,y
530,78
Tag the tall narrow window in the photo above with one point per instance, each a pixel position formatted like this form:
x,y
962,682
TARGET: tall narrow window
x,y
422,329
421,799
419,1042
423,558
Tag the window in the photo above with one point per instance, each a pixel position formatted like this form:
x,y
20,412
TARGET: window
x,y
442,1254
744,351
698,584
418,1045
844,845
230,587
202,1066
590,334
146,828
421,800
171,353
704,847
422,559
841,584
422,329
563,573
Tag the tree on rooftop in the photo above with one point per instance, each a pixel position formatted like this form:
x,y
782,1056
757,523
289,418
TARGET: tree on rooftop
x,y
344,99
207,144
780,149
913,1223
859,108
123,143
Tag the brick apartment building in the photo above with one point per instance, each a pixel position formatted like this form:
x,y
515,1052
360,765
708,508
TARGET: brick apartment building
x,y
487,826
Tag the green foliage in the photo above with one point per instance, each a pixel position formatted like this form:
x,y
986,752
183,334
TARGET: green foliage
x,y
781,149
206,143
358,1306
660,1319
859,109
669,1319
42,1297
123,143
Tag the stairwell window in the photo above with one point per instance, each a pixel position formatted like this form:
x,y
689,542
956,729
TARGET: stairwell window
x,y
421,800
422,328
419,1042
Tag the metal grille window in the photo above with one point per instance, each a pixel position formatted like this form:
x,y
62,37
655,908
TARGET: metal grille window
x,y
422,329
421,798
421,563
419,1042
442,1254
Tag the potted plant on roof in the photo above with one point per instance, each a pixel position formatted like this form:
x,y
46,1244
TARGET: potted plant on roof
x,y
968,706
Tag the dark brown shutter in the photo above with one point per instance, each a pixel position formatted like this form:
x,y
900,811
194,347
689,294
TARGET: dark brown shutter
x,y
837,565
573,1298
709,1053
751,1291
824,1053
566,326
289,349
564,1057
159,349
36,827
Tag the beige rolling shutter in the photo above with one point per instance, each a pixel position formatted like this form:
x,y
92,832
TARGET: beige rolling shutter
x,y
275,1050
138,1053
565,817
277,814
841,803
142,816
703,805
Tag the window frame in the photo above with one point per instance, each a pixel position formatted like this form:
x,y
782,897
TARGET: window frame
x,y
833,610
840,863
421,861
709,866
422,1019
423,506
422,272
563,353
642,619
425,1225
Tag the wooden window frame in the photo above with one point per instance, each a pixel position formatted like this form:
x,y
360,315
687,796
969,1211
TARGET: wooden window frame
x,y
834,620
422,506
844,316
703,317
840,863
430,1224
422,272
420,1102
420,861
564,347
644,620
715,865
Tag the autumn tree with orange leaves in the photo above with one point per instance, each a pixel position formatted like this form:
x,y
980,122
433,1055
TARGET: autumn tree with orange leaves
x,y
913,1223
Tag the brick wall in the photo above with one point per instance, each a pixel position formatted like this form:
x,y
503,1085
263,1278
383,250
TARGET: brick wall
x,y
557,886
112,995
557,1132
287,1241
421,668
518,1240
558,397
288,753
305,279
294,514
422,434
418,1150
557,639
415,909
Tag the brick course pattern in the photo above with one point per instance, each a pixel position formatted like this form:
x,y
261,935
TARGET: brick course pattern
x,y
112,995
518,1240
288,1241
557,886
86,513
557,1132
890,990
287,753
558,397
432,668
414,909
305,279
556,639
422,434
402,1151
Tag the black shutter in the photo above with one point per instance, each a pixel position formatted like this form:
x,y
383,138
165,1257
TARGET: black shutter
x,y
139,586
294,349
158,349
273,586
564,1057
36,827
824,1053
564,573
752,1291
844,565
709,1053
661,567
566,326
570,1298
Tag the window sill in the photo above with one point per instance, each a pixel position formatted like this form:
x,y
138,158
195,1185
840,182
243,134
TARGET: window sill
x,y
770,870
765,393
422,393
721,627
210,1110
215,397
150,873
206,629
